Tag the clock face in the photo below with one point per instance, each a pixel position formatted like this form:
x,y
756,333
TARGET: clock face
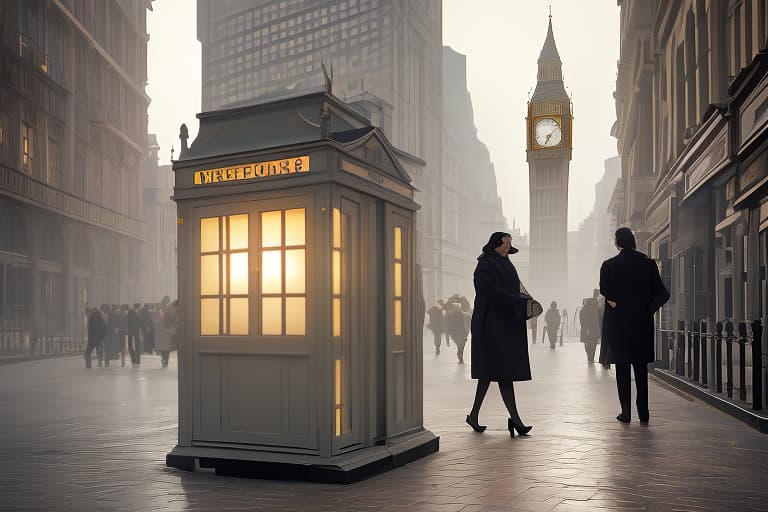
x,y
548,132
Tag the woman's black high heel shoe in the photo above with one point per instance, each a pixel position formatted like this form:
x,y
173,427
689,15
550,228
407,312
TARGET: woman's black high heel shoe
x,y
522,430
475,425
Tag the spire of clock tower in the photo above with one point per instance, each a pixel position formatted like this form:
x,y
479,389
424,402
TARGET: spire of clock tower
x,y
549,84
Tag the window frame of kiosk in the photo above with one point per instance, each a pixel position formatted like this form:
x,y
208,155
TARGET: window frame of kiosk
x,y
400,371
347,345
254,344
254,208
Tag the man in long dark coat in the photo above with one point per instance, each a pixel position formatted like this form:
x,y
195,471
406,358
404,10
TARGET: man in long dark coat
x,y
499,334
633,292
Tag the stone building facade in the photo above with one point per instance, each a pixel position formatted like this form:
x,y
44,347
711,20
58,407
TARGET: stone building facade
x,y
385,59
73,149
471,207
692,104
159,257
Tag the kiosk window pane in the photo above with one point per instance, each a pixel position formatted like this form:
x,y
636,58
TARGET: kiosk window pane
x,y
398,315
223,274
294,227
398,243
295,278
209,317
272,272
336,317
238,232
238,320
209,274
397,277
283,272
209,234
337,272
238,273
295,316
338,405
272,316
271,229
336,228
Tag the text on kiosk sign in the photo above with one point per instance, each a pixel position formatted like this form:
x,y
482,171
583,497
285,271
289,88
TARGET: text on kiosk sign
x,y
252,171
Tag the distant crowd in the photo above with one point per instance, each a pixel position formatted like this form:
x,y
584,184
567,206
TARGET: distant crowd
x,y
115,331
451,317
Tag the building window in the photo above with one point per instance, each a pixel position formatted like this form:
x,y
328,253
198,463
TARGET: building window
x,y
27,148
224,275
283,272
53,173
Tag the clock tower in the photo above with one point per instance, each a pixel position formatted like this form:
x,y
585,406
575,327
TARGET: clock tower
x,y
548,150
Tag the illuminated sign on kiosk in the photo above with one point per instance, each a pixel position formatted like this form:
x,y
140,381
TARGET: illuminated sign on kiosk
x,y
252,171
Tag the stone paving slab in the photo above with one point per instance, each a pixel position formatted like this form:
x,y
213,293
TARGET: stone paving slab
x,y
77,439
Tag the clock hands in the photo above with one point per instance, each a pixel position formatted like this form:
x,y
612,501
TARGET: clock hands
x,y
549,135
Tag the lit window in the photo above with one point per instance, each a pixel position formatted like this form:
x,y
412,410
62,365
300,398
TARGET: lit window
x,y
224,275
397,306
336,278
283,272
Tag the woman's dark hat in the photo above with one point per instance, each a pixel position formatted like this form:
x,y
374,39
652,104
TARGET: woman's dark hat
x,y
496,240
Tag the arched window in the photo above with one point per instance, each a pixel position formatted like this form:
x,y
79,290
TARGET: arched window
x,y
14,235
51,246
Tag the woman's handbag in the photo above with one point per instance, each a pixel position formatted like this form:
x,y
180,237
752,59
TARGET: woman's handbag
x,y
533,307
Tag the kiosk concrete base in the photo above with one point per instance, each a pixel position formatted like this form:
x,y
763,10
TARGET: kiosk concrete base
x,y
346,468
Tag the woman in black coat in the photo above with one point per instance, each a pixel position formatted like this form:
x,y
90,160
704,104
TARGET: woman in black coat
x,y
499,334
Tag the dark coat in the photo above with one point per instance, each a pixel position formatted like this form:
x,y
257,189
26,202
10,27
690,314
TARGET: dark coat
x,y
499,335
133,320
632,281
97,328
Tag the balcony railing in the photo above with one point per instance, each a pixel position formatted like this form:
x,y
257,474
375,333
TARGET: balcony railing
x,y
712,356
41,193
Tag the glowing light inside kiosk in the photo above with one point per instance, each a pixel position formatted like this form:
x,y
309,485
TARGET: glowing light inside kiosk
x,y
283,272
336,279
224,307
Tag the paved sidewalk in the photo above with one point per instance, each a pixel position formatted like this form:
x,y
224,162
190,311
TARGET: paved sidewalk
x,y
72,439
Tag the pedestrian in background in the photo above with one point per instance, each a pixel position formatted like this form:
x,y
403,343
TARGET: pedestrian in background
x,y
633,292
97,332
435,323
167,332
589,325
134,334
552,319
454,326
147,330
499,334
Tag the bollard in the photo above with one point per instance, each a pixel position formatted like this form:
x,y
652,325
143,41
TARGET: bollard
x,y
757,365
704,349
729,358
680,348
696,350
742,361
719,357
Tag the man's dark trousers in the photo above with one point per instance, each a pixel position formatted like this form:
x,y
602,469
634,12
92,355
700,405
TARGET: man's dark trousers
x,y
624,384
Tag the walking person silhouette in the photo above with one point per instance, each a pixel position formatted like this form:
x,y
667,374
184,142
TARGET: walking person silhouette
x,y
499,334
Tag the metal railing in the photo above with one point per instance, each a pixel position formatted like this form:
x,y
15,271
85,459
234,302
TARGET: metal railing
x,y
17,339
705,353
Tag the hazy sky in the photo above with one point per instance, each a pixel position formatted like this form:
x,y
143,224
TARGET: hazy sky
x,y
501,39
